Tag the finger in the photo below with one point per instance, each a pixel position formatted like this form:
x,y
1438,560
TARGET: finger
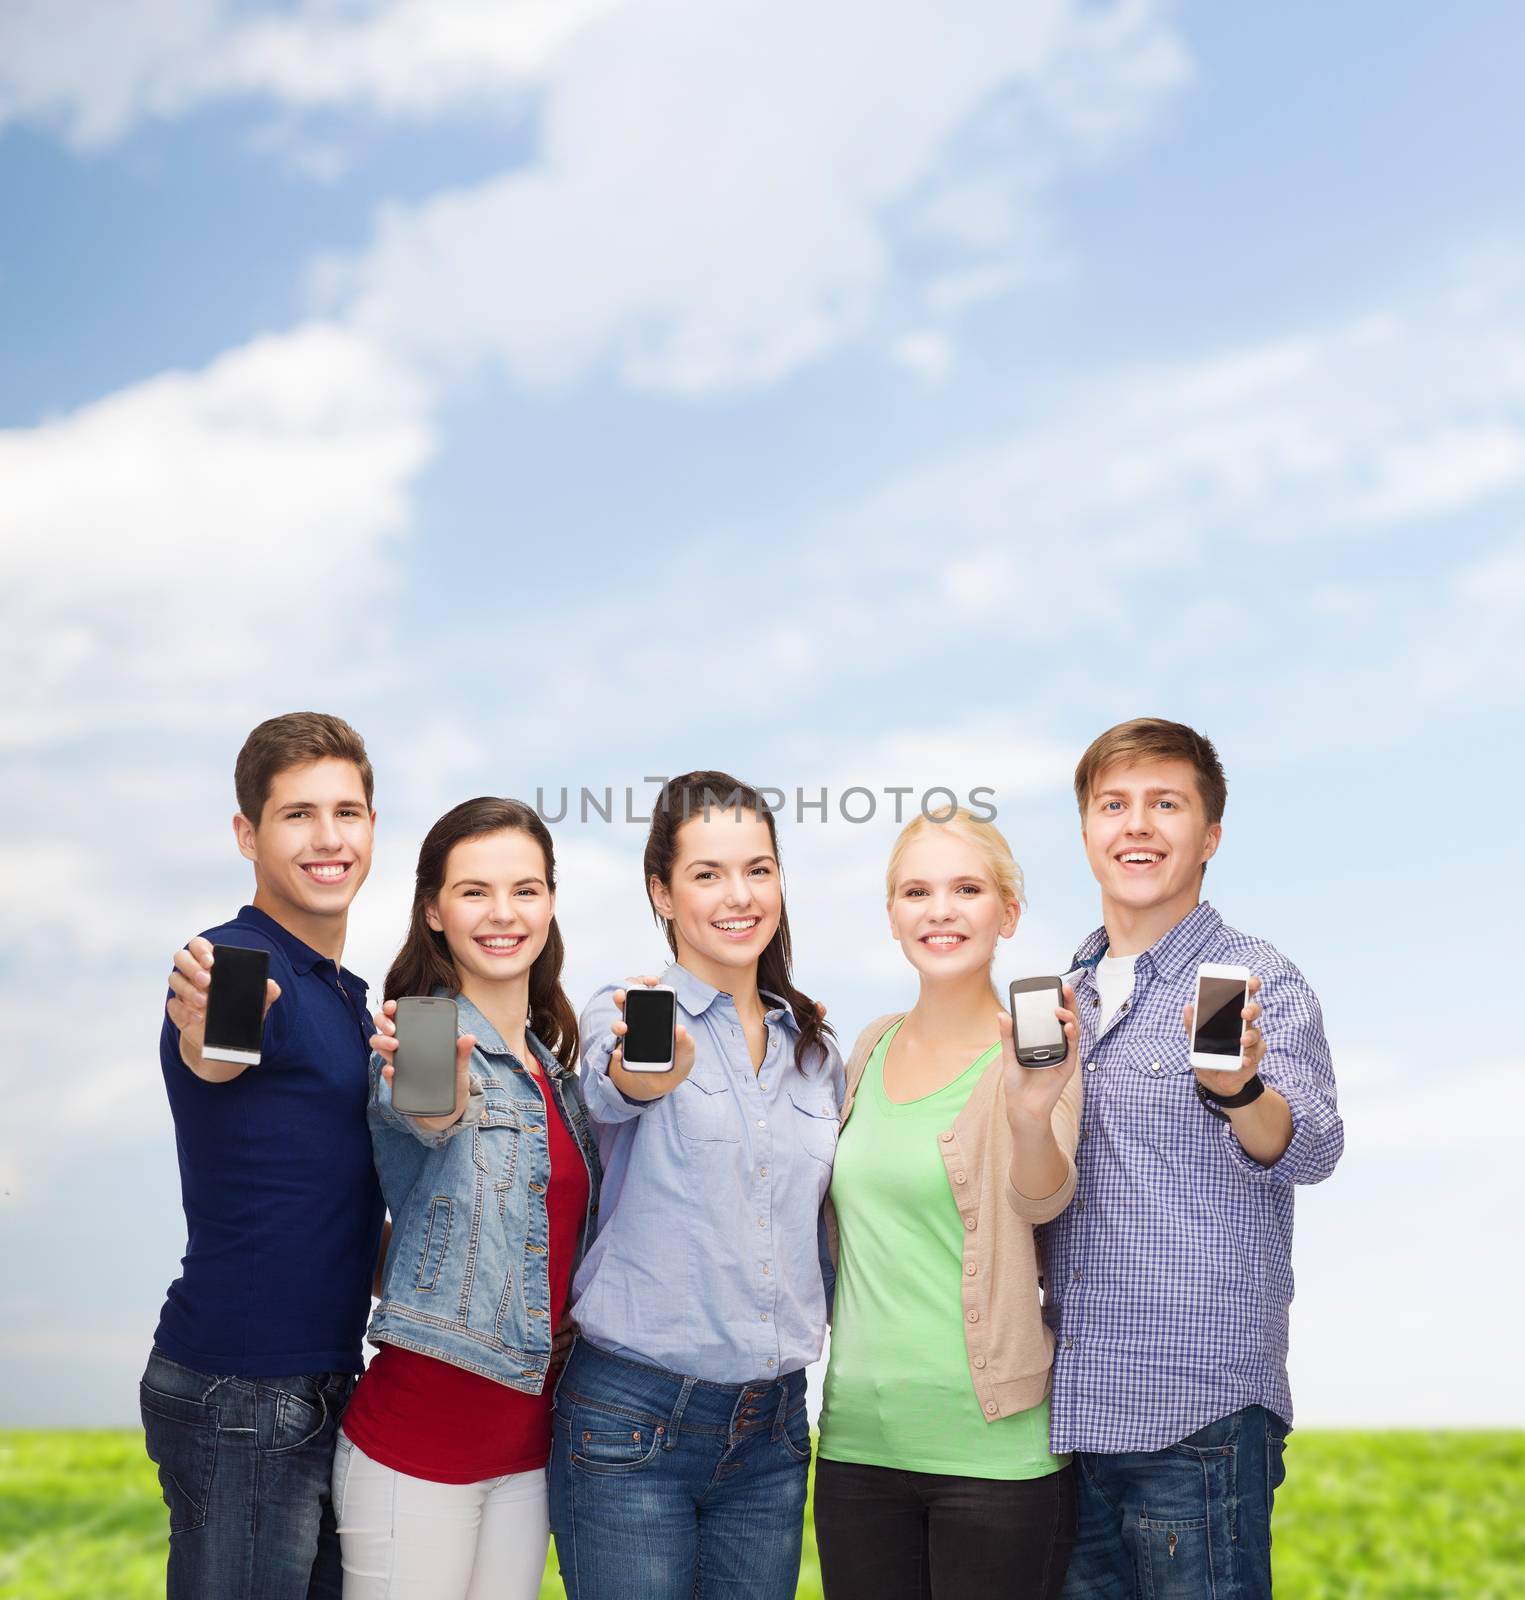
x,y
200,950
619,1029
388,1071
383,1044
389,1008
463,1048
1251,1011
619,998
182,1016
617,1059
1069,997
272,992
650,983
187,964
384,1024
186,992
1253,986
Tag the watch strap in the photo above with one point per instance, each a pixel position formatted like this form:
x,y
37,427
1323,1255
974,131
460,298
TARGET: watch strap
x,y
1245,1095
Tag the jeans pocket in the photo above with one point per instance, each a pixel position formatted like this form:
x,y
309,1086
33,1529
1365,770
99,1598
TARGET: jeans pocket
x,y
292,1419
344,1455
604,1443
795,1434
181,1439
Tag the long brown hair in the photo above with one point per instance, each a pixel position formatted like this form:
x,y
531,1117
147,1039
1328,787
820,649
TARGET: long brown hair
x,y
698,794
423,964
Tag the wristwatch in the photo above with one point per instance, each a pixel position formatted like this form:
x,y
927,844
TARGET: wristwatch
x,y
1246,1095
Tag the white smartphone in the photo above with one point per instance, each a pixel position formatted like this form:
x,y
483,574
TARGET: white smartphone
x,y
651,1015
1037,1033
1217,1027
235,1024
423,1068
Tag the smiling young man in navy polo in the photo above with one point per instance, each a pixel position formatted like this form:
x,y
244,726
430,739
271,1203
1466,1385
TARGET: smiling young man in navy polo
x,y
1169,1276
259,1340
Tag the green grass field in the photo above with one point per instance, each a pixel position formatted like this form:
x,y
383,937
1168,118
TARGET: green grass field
x,y
1363,1516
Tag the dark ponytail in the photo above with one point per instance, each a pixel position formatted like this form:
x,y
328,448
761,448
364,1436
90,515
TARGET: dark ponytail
x,y
423,964
698,794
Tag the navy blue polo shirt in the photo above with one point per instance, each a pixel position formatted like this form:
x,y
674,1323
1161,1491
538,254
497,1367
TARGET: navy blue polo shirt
x,y
282,1208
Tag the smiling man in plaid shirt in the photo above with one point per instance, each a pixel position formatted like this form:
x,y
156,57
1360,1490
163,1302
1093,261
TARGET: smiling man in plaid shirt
x,y
1169,1276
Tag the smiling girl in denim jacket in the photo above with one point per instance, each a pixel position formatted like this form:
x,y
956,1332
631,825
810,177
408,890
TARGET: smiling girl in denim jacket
x,y
439,1480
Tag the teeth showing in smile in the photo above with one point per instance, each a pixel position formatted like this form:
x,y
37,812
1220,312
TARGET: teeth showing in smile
x,y
1147,857
737,925
943,938
327,874
504,942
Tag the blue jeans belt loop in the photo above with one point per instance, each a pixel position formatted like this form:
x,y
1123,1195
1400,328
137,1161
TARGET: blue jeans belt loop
x,y
782,1413
675,1421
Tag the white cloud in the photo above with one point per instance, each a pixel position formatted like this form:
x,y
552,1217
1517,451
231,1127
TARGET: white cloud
x,y
202,537
99,67
722,194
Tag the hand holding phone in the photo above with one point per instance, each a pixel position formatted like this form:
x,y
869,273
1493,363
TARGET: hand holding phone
x,y
1226,1046
190,983
1046,1010
654,1052
430,1044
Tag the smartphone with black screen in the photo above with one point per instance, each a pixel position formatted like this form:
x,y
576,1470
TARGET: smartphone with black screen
x,y
1217,1026
236,1005
652,1018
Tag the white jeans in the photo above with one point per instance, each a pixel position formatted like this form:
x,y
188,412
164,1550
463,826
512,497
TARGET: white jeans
x,y
409,1539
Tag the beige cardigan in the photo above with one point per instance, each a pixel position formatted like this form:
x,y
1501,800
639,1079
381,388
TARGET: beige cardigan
x,y
1011,1352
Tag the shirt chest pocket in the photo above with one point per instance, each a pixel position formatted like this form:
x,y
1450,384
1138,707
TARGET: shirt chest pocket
x,y
1157,1055
706,1111
815,1122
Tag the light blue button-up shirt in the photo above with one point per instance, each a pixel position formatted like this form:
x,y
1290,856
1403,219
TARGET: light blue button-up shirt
x,y
707,1259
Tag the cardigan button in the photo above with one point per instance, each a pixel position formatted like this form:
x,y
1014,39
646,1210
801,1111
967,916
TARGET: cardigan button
x,y
974,1316
959,1177
969,1223
979,1361
990,1407
947,1137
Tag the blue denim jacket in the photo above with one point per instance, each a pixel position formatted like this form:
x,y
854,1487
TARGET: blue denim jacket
x,y
467,1278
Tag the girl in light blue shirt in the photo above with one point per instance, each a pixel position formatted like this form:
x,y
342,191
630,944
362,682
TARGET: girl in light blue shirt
x,y
681,1444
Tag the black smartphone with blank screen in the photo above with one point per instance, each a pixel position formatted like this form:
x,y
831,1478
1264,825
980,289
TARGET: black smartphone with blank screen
x,y
651,1015
235,1022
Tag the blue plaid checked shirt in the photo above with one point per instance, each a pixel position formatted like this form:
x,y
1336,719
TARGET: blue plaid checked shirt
x,y
1168,1277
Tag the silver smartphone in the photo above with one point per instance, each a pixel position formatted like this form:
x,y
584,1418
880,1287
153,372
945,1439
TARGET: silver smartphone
x,y
235,1022
651,1015
423,1082
1035,1031
1216,1024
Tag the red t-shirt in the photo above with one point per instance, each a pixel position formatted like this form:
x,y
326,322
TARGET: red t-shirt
x,y
429,1419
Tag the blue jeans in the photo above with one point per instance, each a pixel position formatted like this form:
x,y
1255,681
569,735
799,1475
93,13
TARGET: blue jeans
x,y
1190,1522
245,1466
670,1488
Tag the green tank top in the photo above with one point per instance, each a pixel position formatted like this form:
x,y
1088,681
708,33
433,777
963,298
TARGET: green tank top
x,y
898,1391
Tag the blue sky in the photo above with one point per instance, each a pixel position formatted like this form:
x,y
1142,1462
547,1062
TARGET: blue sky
x,y
568,392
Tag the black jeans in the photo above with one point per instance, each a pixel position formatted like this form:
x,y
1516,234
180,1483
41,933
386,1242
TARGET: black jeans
x,y
884,1534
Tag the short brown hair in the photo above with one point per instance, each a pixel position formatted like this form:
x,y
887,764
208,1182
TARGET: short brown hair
x,y
295,740
1154,739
